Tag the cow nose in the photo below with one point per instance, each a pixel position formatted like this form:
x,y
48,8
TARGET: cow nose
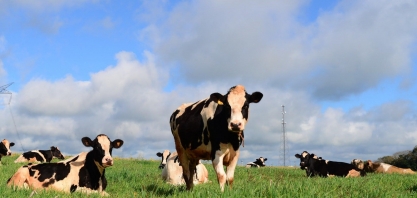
x,y
109,161
9,153
235,126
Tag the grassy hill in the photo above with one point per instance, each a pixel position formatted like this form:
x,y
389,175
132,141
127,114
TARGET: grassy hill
x,y
142,178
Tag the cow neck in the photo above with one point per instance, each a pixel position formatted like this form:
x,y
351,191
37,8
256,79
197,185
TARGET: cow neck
x,y
46,156
99,166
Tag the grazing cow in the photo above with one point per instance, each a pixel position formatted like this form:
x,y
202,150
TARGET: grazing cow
x,y
172,171
212,129
39,156
371,167
325,168
5,148
84,172
260,162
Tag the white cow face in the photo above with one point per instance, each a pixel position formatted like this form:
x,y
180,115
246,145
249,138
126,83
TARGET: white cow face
x,y
164,156
102,148
236,105
5,147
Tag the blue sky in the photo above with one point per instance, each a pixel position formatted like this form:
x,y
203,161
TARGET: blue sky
x,y
345,70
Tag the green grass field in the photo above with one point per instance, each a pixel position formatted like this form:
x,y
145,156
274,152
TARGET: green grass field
x,y
142,178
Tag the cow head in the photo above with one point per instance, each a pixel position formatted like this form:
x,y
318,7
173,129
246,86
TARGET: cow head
x,y
358,164
303,159
235,105
102,148
164,156
5,147
261,161
56,152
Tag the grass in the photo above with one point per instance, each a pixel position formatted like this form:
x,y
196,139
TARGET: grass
x,y
142,178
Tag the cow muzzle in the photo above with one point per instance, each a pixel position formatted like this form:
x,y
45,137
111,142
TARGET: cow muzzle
x,y
9,153
107,162
236,126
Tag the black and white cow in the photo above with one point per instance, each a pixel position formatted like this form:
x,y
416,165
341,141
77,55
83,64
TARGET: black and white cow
x,y
36,156
84,172
172,170
260,162
303,162
325,168
212,129
5,148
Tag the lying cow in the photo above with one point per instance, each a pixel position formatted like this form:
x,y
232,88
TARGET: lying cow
x,y
303,162
5,148
260,162
371,167
84,172
172,171
39,156
325,168
212,129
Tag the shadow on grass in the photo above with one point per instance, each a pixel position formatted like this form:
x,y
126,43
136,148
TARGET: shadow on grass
x,y
413,189
156,189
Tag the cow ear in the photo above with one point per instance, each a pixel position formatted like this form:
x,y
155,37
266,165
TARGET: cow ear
x,y
159,154
297,155
255,97
117,143
265,159
87,141
52,148
217,98
11,144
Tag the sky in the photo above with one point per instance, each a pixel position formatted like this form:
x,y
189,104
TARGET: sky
x,y
345,71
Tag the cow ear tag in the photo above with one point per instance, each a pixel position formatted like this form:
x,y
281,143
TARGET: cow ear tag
x,y
219,102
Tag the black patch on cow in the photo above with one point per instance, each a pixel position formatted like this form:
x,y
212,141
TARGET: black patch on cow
x,y
73,188
35,155
46,171
89,174
191,127
46,184
3,149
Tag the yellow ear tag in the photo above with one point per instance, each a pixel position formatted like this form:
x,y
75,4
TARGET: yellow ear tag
x,y
219,102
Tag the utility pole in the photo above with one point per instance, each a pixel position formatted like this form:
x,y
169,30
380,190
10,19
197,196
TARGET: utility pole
x,y
284,138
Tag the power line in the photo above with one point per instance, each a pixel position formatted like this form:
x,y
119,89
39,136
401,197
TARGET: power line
x,y
3,90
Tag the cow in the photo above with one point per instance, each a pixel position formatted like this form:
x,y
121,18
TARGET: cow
x,y
371,167
172,170
39,156
260,162
317,166
84,172
212,129
303,162
325,168
5,148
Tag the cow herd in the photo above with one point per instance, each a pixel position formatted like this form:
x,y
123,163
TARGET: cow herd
x,y
209,129
317,166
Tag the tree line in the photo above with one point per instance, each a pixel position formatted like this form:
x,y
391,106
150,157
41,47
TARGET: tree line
x,y
403,159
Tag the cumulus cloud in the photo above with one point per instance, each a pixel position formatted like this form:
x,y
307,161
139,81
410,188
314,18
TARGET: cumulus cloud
x,y
344,51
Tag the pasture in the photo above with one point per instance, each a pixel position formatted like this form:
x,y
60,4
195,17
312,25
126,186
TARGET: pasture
x,y
142,178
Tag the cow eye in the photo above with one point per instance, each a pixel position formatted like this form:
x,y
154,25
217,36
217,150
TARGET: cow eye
x,y
245,107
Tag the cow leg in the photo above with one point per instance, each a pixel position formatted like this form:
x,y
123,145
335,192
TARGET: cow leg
x,y
218,167
230,169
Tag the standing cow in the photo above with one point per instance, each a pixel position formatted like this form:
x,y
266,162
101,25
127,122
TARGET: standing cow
x,y
84,172
172,170
5,148
260,162
39,156
212,129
